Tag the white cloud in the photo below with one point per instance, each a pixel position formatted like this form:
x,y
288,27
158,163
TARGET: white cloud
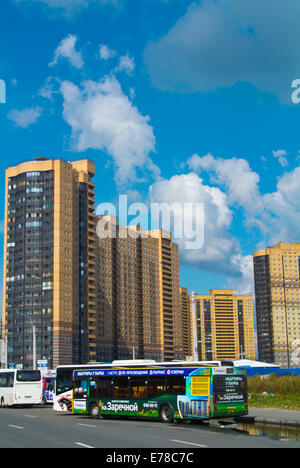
x,y
281,215
126,64
220,249
281,156
233,190
67,50
218,44
26,117
106,53
234,174
103,118
49,89
275,214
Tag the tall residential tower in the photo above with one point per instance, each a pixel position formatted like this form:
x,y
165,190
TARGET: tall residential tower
x,y
49,262
139,310
277,290
225,326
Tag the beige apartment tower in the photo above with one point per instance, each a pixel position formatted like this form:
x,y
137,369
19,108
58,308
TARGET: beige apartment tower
x,y
225,326
277,290
139,309
187,324
49,262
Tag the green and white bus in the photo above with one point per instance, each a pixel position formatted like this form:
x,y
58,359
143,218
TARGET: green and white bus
x,y
168,391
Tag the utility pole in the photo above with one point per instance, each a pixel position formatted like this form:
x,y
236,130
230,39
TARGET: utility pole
x,y
195,328
34,346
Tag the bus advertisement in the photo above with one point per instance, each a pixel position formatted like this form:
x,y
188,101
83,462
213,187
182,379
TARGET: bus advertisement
x,y
167,393
48,387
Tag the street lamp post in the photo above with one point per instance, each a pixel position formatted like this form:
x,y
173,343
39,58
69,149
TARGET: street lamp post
x,y
195,328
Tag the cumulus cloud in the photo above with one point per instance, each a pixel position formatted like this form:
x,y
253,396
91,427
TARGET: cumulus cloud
x,y
220,248
25,117
275,214
231,191
218,44
281,155
103,118
67,50
126,64
235,174
106,53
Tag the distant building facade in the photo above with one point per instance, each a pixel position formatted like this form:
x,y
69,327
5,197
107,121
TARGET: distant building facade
x,y
225,326
49,262
277,291
139,306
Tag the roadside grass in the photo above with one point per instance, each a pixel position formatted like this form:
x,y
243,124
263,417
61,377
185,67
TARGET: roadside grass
x,y
274,392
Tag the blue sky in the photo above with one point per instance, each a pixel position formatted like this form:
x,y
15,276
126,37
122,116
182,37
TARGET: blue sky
x,y
175,101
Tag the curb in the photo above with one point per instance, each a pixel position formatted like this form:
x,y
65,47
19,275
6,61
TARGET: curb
x,y
271,422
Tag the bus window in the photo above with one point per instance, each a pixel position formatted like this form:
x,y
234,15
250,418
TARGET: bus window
x,y
139,388
7,380
64,382
176,385
157,386
101,388
121,387
80,389
28,376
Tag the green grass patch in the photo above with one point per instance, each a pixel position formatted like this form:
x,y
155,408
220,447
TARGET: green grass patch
x,y
274,392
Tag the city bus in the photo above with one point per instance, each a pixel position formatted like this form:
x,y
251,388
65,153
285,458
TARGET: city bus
x,y
20,387
168,391
62,398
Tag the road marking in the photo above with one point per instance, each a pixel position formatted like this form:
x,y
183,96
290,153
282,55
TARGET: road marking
x,y
84,445
85,425
189,443
29,416
16,427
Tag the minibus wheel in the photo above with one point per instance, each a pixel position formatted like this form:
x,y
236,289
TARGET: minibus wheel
x,y
166,414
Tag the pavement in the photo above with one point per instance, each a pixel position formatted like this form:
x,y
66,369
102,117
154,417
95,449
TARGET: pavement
x,y
278,417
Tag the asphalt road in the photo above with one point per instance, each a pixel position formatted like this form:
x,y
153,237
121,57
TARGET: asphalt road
x,y
41,427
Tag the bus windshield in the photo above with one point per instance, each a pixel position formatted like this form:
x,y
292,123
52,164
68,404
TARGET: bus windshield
x,y
28,376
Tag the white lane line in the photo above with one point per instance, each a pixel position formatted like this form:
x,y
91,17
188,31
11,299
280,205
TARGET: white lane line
x,y
29,416
15,427
85,425
84,445
189,443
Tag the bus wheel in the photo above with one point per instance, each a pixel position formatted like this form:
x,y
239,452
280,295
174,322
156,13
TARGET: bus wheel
x,y
166,414
94,411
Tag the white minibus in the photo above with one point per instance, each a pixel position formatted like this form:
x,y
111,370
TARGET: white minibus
x,y
20,387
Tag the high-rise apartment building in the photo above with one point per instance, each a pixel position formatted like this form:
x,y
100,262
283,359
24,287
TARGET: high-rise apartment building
x,y
277,290
139,307
49,262
225,326
187,324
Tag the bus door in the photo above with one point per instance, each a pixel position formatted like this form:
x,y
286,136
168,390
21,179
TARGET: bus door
x,y
80,394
